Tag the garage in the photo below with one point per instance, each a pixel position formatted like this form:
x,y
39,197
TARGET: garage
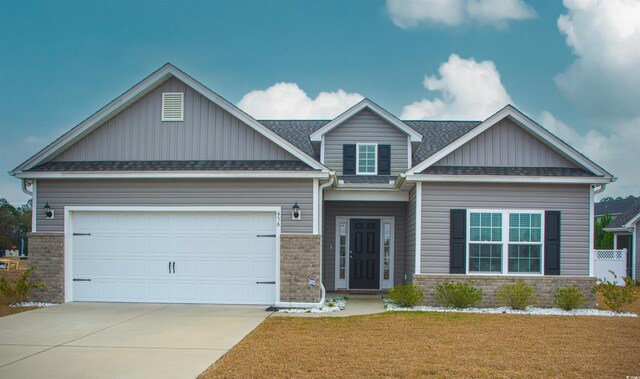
x,y
212,257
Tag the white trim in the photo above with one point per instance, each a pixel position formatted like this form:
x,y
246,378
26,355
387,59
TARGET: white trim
x,y
375,158
505,241
68,232
418,235
634,251
506,179
34,206
322,150
347,220
366,195
172,175
592,255
315,206
528,124
141,89
366,103
632,221
163,116
409,151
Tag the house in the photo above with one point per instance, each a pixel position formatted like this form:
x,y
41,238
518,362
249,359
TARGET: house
x,y
170,193
626,235
614,207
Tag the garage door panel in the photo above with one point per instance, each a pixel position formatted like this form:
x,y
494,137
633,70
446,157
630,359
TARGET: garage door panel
x,y
218,257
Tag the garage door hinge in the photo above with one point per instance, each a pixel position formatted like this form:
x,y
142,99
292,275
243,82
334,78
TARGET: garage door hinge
x,y
266,235
81,234
265,282
81,280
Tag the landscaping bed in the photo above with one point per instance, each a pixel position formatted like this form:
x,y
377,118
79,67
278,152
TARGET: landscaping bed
x,y
7,310
426,344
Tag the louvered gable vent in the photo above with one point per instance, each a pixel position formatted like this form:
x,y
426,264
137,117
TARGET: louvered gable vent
x,y
172,106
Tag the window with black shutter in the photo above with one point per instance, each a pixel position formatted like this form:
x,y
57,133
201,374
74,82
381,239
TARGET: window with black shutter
x,y
349,159
384,159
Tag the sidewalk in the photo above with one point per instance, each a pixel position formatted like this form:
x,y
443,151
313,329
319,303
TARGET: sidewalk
x,y
356,305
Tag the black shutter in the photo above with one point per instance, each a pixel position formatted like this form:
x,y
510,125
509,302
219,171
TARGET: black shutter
x,y
458,244
552,243
384,159
349,159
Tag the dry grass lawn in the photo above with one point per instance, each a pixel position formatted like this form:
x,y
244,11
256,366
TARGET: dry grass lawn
x,y
6,310
436,345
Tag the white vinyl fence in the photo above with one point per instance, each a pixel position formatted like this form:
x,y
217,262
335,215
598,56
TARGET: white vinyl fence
x,y
611,260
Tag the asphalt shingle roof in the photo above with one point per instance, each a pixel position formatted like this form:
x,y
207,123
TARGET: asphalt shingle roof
x,y
174,166
369,179
438,134
630,213
614,207
296,131
517,171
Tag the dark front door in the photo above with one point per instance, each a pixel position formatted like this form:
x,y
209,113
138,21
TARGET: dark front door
x,y
364,254
625,241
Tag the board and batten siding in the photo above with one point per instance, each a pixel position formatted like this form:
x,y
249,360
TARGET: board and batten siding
x,y
365,127
333,209
207,133
410,256
571,200
505,145
169,192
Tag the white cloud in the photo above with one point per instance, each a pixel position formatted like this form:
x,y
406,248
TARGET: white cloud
x,y
615,152
413,13
467,90
604,80
288,101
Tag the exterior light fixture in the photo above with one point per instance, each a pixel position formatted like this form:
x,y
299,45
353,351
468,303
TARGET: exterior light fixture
x,y
296,214
48,212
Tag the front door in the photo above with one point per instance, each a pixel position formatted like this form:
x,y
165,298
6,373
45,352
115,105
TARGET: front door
x,y
364,254
625,241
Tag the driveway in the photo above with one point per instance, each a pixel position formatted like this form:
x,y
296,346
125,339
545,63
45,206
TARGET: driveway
x,y
117,340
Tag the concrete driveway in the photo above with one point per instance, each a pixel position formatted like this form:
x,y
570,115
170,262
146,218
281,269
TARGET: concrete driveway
x,y
109,340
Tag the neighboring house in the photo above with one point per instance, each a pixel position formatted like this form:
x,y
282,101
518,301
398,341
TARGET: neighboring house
x,y
172,194
626,235
614,207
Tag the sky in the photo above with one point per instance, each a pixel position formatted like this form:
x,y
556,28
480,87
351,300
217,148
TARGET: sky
x,y
572,66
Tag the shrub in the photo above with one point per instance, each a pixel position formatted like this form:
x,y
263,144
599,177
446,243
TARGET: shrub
x,y
614,296
406,295
20,290
518,295
458,295
568,298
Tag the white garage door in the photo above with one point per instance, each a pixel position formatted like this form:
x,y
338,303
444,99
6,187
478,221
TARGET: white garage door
x,y
174,257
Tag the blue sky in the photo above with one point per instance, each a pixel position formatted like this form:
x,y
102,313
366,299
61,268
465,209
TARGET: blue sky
x,y
61,61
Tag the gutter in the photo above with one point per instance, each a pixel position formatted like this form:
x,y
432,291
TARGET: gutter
x,y
26,183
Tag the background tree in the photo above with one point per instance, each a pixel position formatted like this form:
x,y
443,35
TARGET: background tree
x,y
14,223
603,240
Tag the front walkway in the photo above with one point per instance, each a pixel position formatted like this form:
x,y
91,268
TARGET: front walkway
x,y
356,305
109,340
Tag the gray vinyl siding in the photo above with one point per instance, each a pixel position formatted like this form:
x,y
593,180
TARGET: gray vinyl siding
x,y
365,127
636,247
410,256
192,192
207,133
571,200
505,145
333,209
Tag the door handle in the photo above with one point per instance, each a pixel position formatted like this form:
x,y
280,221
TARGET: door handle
x,y
174,267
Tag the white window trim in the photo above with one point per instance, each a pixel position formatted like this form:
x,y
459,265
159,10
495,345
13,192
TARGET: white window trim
x,y
181,110
375,159
344,283
505,241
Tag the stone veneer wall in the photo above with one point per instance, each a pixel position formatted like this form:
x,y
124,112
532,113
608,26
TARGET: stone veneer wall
x,y
299,259
46,254
544,286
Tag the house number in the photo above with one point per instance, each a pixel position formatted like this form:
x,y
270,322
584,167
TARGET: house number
x,y
277,218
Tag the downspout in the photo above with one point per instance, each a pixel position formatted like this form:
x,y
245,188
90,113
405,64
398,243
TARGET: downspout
x,y
24,187
592,193
320,218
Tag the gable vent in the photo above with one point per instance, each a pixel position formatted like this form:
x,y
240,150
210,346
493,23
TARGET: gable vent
x,y
172,106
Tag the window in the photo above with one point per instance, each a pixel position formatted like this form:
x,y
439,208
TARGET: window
x,y
367,162
172,106
386,272
342,260
505,242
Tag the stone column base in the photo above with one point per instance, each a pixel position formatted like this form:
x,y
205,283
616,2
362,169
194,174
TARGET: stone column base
x,y
299,259
46,255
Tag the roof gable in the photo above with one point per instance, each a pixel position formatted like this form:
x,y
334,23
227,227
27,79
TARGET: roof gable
x,y
628,218
373,107
527,124
139,90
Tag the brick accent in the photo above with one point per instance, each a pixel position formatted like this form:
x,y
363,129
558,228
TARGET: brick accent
x,y
46,254
544,286
299,259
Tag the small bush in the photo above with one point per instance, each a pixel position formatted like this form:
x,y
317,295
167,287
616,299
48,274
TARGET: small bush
x,y
20,290
406,295
614,296
568,298
518,295
458,295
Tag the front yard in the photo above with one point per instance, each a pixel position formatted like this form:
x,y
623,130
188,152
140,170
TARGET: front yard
x,y
416,344
6,310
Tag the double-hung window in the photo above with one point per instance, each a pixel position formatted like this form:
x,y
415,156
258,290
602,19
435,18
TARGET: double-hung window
x,y
505,242
367,162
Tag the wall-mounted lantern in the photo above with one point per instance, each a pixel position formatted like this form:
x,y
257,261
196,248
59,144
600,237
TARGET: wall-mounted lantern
x,y
49,213
296,213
